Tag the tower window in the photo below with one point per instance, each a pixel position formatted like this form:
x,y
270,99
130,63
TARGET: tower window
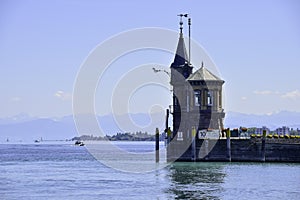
x,y
197,95
209,98
180,136
185,74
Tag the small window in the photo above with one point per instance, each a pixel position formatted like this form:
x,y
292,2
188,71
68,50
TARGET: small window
x,y
209,98
179,136
197,94
186,74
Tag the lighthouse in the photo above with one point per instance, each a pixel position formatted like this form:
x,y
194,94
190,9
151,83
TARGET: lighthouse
x,y
197,101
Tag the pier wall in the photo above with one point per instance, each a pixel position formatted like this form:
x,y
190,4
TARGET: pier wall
x,y
241,150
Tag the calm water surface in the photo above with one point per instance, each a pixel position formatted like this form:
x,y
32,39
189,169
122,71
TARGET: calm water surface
x,y
65,171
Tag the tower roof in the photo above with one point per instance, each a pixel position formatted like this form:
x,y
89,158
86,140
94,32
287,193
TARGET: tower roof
x,y
203,74
181,57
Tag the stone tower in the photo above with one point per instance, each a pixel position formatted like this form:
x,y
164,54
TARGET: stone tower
x,y
206,101
197,97
180,71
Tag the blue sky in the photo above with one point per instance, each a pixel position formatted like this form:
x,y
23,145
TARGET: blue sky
x,y
255,44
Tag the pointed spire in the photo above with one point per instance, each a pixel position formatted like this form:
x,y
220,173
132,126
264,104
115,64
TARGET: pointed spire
x,y
181,57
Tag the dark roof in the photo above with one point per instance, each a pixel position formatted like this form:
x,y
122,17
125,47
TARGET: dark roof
x,y
203,74
181,56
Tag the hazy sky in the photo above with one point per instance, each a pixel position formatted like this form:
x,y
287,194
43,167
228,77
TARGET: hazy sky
x,y
255,45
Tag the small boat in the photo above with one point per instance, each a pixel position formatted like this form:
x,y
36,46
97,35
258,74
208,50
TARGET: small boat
x,y
286,136
270,136
79,143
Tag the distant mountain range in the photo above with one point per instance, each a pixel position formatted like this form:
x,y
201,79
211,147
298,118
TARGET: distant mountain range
x,y
272,121
27,128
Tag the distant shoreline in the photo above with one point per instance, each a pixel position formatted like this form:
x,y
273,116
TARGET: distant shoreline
x,y
139,136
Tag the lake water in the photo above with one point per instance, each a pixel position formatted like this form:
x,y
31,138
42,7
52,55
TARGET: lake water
x,y
65,171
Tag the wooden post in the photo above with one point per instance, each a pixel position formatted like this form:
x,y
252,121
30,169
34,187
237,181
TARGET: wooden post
x,y
193,144
167,118
169,134
228,147
263,146
167,138
157,145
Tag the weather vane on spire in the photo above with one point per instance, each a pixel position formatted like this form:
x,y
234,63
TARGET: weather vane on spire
x,y
181,22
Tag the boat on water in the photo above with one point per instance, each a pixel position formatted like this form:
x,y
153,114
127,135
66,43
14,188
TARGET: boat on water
x,y
38,141
79,143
